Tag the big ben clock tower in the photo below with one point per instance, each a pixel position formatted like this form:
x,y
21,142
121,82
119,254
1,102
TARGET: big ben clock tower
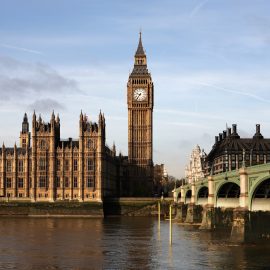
x,y
140,99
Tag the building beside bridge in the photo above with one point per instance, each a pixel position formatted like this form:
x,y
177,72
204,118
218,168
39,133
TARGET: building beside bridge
x,y
195,168
236,174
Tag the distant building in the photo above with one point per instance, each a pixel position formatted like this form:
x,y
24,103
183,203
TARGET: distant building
x,y
230,151
195,168
160,179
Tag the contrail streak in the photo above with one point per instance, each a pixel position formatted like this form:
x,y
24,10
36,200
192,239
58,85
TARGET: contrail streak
x,y
20,48
197,8
236,92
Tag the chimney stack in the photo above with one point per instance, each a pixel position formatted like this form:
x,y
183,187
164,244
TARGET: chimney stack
x,y
220,137
234,127
258,129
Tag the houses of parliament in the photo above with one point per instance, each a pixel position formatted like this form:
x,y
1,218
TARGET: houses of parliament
x,y
45,167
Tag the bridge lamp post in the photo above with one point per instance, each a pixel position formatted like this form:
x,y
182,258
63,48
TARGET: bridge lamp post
x,y
226,164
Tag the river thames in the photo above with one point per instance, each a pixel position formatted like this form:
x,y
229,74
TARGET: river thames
x,y
120,243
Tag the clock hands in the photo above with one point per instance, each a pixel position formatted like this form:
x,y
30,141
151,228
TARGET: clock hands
x,y
138,96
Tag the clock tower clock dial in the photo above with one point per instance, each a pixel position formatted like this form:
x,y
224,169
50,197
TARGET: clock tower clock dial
x,y
140,99
139,94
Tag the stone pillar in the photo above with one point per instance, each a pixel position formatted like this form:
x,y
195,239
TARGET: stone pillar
x,y
241,225
52,167
182,199
243,187
3,174
26,173
208,218
181,212
15,173
33,190
193,192
211,196
194,213
62,183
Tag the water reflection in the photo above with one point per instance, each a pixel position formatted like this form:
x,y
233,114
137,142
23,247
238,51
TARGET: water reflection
x,y
120,243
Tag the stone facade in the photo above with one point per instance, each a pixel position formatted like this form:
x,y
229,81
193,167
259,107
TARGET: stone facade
x,y
51,169
140,100
47,168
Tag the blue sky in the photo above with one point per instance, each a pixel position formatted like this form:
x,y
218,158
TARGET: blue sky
x,y
210,63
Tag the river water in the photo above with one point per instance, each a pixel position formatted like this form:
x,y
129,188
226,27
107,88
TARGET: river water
x,y
120,243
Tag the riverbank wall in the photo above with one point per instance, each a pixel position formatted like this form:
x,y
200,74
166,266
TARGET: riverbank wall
x,y
109,207
55,209
135,206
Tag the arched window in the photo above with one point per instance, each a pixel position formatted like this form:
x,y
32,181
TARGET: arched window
x,y
89,144
42,144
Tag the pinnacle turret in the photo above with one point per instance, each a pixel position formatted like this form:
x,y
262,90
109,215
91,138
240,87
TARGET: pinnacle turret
x,y
140,50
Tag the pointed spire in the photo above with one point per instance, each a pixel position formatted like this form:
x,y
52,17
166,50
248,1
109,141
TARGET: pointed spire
x,y
58,118
25,118
53,115
3,146
34,116
140,50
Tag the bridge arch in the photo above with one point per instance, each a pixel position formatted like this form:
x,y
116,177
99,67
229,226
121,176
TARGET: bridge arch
x,y
188,196
202,195
259,196
227,195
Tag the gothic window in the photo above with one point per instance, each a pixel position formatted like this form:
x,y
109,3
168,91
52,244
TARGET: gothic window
x,y
8,182
58,182
9,166
240,157
75,182
66,164
30,165
254,157
42,144
233,157
20,183
90,164
42,164
66,182
20,165
261,158
58,164
90,181
89,144
75,165
42,182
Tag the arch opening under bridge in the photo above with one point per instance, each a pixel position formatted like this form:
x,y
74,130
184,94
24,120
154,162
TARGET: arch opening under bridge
x,y
188,196
261,197
228,195
202,196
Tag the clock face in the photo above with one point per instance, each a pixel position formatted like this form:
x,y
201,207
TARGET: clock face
x,y
139,94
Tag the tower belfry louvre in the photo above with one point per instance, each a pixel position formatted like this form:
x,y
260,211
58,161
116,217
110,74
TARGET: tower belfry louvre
x,y
140,99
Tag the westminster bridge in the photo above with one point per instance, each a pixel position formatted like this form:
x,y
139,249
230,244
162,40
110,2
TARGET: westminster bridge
x,y
239,198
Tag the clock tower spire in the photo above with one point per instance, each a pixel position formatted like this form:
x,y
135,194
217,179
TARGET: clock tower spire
x,y
140,97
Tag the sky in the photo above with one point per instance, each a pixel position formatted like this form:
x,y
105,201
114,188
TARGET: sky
x,y
209,60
